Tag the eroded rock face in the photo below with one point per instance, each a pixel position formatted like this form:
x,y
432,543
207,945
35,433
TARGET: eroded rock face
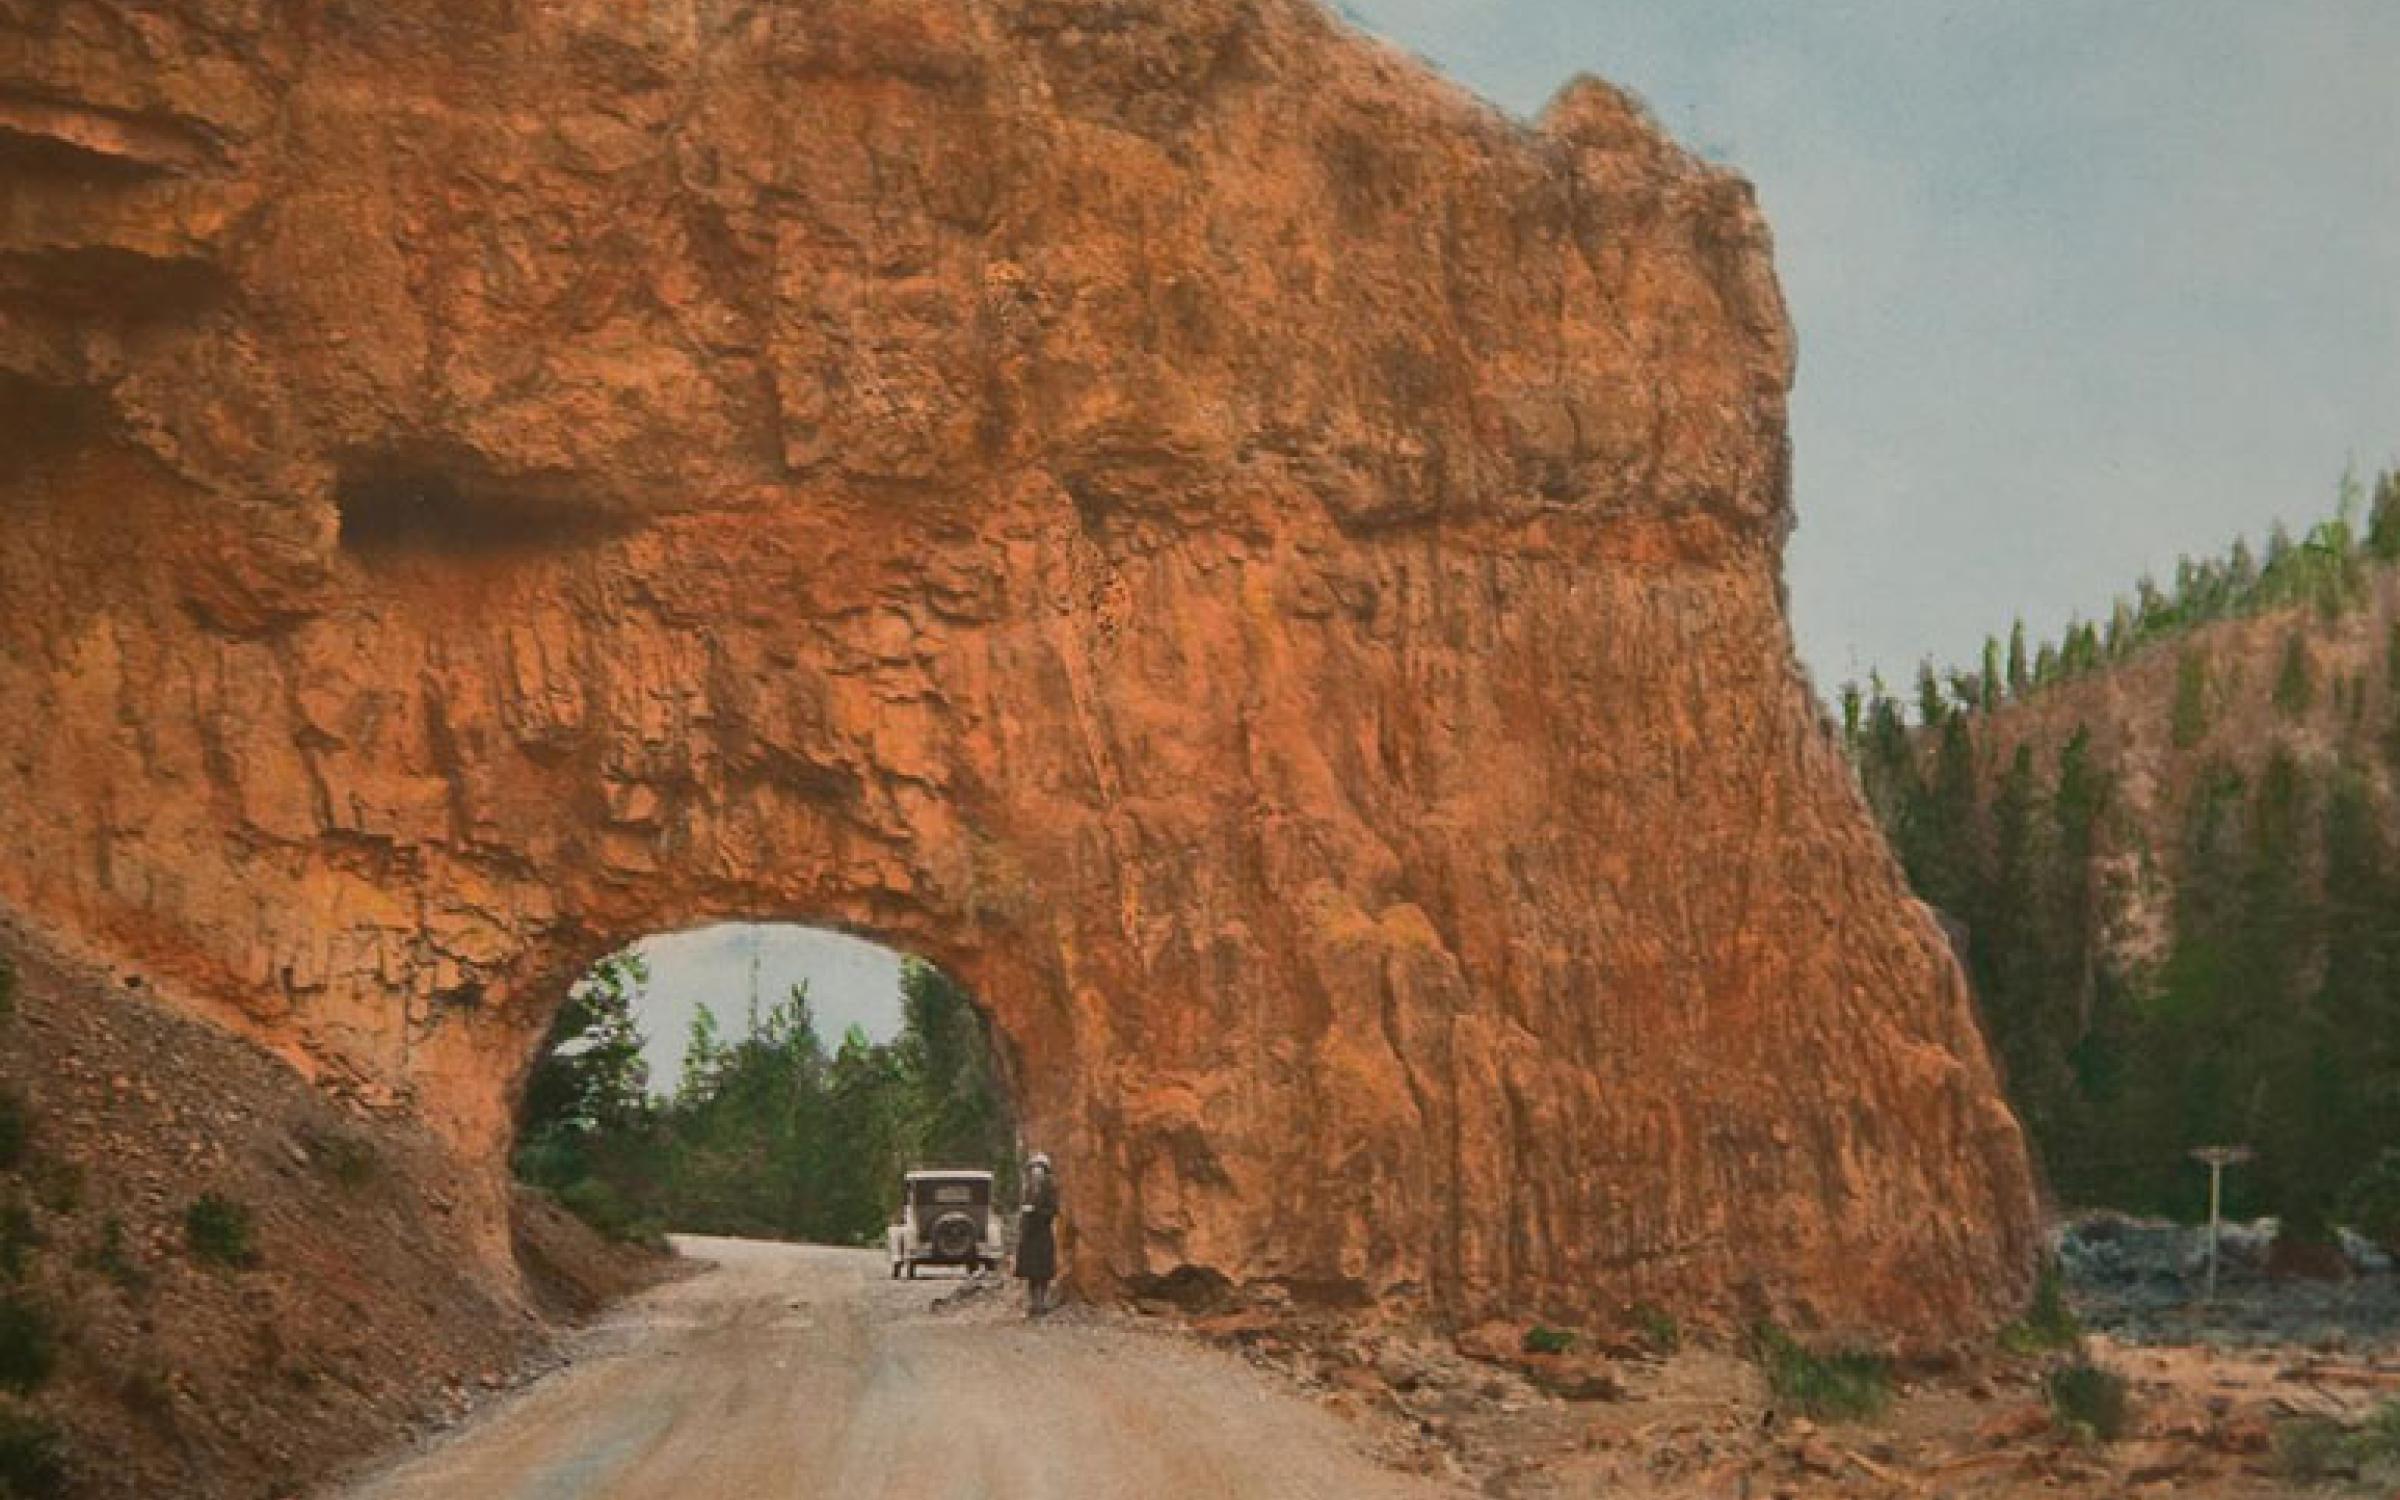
x,y
1260,565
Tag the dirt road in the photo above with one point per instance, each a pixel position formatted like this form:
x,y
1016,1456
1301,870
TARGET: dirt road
x,y
792,1370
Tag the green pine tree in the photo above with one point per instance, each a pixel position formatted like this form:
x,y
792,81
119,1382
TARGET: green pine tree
x,y
2295,684
2191,698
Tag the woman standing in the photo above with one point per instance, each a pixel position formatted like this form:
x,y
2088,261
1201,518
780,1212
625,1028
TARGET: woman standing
x,y
1037,1234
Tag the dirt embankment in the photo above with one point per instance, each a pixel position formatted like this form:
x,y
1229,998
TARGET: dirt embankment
x,y
219,1282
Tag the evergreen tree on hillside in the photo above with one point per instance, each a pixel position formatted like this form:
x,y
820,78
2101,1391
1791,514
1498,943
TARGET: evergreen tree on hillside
x,y
2347,1054
2277,1034
703,1054
591,1074
2007,935
868,1140
2191,698
2383,519
2272,1017
1931,710
2045,665
958,1117
586,1117
2241,570
2077,809
1943,846
2295,685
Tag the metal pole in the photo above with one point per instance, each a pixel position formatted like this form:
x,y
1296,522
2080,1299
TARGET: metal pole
x,y
2217,1158
2216,1181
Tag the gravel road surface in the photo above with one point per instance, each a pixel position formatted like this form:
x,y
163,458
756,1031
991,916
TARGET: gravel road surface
x,y
794,1370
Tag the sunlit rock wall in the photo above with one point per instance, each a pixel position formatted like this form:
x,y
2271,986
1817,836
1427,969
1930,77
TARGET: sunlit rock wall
x,y
1265,567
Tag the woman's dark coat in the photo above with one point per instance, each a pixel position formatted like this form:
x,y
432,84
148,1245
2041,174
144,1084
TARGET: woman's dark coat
x,y
1037,1238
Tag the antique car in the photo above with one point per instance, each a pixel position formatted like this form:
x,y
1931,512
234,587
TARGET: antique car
x,y
946,1218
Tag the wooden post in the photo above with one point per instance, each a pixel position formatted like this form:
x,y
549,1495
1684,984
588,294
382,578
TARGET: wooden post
x,y
2217,1158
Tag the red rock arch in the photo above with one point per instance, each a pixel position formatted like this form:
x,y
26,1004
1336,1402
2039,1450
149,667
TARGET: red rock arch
x,y
1263,568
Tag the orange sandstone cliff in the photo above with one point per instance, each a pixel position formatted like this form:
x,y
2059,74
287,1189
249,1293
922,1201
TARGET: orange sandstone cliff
x,y
1264,567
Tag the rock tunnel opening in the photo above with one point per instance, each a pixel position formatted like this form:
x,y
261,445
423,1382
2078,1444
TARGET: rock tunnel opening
x,y
763,1081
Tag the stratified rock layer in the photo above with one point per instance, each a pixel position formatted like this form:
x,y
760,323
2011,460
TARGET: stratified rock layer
x,y
1260,565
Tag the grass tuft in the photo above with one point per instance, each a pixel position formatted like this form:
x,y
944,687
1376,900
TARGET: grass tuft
x,y
2312,1450
349,1160
113,1257
1541,1338
1657,1327
2088,1401
19,1238
28,1344
2049,1323
1842,1385
219,1231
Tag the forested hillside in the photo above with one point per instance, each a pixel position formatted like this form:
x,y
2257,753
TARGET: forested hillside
x,y
769,1133
2169,845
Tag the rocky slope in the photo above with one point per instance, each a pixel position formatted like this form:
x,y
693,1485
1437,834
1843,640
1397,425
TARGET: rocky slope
x,y
1263,567
323,1310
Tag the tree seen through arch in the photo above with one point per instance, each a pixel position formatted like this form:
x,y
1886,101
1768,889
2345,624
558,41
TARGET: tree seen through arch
x,y
771,1130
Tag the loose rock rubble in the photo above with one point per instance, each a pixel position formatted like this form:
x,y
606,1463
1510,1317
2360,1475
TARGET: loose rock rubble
x,y
1617,1416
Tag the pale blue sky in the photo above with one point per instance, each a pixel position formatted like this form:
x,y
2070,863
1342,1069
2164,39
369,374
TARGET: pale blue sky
x,y
2080,284
850,982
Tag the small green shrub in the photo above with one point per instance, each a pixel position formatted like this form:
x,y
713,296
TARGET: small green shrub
x,y
14,1130
28,1344
349,1160
219,1231
2372,1202
1838,1386
33,1457
2312,1450
2049,1323
113,1258
601,1207
1541,1338
2191,698
1657,1327
19,1238
2088,1400
2379,1436
2295,685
